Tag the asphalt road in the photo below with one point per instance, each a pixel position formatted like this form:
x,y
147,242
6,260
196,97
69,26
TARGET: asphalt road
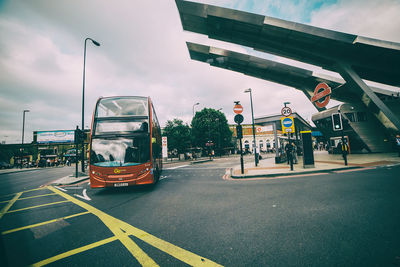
x,y
334,219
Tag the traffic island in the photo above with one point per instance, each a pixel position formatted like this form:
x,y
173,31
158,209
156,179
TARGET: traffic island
x,y
71,179
324,163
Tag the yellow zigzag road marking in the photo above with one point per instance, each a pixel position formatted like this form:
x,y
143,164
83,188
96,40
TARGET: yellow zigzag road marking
x,y
75,251
8,206
38,206
122,230
110,222
23,198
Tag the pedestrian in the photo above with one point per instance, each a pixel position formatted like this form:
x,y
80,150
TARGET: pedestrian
x,y
343,148
294,151
398,144
287,151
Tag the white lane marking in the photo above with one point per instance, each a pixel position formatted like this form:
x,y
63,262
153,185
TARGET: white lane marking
x,y
59,188
163,177
85,196
173,168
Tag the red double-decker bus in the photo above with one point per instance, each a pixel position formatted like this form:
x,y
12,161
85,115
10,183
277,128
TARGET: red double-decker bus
x,y
125,143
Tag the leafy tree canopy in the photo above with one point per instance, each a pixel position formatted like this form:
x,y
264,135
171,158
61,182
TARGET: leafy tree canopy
x,y
211,125
178,135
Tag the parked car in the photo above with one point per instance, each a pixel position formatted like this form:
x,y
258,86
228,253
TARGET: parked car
x,y
4,165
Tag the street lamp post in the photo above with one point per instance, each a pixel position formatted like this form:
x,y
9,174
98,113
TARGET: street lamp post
x,y
219,134
83,99
193,107
254,130
23,133
191,139
23,125
290,147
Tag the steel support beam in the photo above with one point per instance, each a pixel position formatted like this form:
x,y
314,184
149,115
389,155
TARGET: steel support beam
x,y
370,99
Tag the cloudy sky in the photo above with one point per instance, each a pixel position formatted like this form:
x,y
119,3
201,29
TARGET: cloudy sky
x,y
143,52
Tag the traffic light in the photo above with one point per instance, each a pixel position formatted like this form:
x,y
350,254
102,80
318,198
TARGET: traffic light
x,y
337,122
79,136
239,131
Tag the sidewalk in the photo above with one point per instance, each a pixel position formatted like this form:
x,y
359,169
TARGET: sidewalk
x,y
71,179
15,170
322,160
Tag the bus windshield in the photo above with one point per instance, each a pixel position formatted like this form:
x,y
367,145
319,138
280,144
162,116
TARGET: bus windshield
x,y
122,107
121,151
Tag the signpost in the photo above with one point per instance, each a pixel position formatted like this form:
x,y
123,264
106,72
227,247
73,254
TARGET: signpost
x,y
164,147
238,109
288,127
337,124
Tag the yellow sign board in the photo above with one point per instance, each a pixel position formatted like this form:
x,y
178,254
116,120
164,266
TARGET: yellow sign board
x,y
287,124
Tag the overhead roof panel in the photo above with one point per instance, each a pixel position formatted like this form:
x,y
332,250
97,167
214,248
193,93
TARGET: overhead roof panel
x,y
299,78
372,59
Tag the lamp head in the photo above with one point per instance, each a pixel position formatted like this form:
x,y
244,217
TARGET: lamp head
x,y
95,42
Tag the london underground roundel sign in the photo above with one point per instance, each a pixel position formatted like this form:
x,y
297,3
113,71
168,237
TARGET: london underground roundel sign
x,y
322,95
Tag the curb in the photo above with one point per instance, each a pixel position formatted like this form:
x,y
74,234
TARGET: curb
x,y
16,171
79,179
200,161
28,169
290,173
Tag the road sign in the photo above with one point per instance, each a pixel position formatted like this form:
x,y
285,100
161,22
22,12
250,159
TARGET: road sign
x,y
164,147
287,124
238,118
286,111
238,109
322,95
337,122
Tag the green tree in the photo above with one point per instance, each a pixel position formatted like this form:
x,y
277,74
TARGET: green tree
x,y
178,135
211,125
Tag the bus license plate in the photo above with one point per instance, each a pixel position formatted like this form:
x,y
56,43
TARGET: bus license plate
x,y
120,184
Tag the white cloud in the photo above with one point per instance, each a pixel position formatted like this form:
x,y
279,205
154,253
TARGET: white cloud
x,y
370,18
143,52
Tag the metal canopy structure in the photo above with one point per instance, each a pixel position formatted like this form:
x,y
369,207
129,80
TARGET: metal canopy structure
x,y
372,59
302,79
354,57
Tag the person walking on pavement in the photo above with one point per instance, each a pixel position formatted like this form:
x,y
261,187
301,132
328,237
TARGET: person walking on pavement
x,y
398,144
288,151
294,151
